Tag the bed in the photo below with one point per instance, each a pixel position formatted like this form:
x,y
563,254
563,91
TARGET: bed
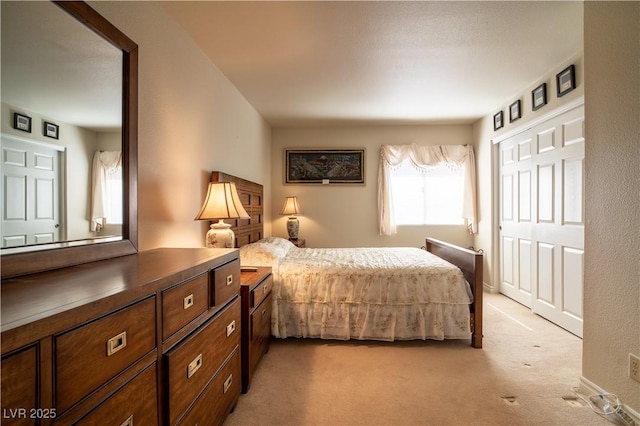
x,y
369,293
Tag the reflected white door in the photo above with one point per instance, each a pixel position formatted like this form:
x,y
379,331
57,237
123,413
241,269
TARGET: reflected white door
x,y
542,219
31,176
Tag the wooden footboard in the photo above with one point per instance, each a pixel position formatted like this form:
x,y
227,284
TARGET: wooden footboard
x,y
470,262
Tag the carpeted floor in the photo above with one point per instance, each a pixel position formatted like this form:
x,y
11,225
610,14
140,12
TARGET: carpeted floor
x,y
522,376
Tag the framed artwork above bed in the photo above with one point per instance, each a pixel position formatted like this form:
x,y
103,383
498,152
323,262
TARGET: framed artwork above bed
x,y
324,166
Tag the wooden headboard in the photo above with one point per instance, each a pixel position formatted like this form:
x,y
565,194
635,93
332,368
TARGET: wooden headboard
x,y
251,195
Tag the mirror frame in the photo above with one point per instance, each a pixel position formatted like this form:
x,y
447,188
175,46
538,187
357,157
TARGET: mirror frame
x,y
60,255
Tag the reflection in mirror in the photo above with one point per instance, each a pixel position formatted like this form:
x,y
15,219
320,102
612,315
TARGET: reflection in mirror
x,y
67,81
69,100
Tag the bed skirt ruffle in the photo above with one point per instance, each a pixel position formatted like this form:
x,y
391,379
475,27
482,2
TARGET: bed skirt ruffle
x,y
363,321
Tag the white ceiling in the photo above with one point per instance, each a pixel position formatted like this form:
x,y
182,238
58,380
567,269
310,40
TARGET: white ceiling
x,y
313,63
374,62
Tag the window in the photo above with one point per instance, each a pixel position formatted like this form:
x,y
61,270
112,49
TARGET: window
x,y
114,207
433,193
106,197
432,196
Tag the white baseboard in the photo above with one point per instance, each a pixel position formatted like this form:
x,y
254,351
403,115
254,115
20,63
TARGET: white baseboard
x,y
591,388
489,288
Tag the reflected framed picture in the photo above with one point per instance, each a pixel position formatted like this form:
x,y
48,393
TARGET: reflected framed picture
x,y
514,111
21,122
566,80
498,121
539,97
50,130
324,166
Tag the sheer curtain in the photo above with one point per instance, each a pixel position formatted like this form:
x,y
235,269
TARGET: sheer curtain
x,y
391,156
107,171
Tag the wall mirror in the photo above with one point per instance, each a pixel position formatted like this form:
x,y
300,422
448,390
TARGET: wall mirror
x,y
79,83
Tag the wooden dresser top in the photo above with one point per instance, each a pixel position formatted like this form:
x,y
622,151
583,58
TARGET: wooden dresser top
x,y
79,293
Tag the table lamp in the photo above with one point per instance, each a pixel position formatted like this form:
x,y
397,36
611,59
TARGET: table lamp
x,y
222,202
292,208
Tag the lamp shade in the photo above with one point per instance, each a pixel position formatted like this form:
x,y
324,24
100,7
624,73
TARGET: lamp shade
x,y
222,202
291,206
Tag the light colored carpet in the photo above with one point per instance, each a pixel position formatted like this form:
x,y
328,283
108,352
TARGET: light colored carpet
x,y
522,376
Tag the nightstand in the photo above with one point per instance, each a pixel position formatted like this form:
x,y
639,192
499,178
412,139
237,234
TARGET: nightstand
x,y
299,243
255,293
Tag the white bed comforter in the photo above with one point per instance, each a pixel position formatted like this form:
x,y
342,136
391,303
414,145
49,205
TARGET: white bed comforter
x,y
366,293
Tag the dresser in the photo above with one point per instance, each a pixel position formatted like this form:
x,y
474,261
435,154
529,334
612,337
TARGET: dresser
x,y
256,320
143,339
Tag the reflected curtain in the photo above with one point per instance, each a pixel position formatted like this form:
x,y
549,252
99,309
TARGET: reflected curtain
x,y
106,164
423,157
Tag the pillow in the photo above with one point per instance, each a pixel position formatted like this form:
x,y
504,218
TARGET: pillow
x,y
266,252
278,242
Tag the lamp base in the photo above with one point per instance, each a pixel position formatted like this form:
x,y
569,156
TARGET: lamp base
x,y
293,225
220,236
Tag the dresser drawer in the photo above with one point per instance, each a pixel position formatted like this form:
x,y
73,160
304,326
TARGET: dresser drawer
x,y
261,317
219,398
134,404
183,303
191,364
19,386
225,283
261,291
90,355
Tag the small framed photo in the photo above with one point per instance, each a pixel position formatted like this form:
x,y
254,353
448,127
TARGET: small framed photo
x,y
21,122
566,80
539,97
514,111
498,121
50,130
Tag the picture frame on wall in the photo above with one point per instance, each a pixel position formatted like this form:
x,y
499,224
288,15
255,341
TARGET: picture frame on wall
x,y
514,111
498,121
539,97
566,80
324,166
50,130
21,122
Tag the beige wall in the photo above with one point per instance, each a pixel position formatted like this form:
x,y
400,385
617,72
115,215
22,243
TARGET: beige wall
x,y
612,232
346,216
484,137
192,121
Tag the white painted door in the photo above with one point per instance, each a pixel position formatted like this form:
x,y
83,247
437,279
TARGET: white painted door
x,y
30,198
516,217
542,242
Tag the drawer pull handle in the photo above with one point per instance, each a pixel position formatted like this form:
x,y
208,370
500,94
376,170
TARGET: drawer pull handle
x,y
231,328
194,366
188,301
227,383
265,288
230,279
128,422
116,343
264,312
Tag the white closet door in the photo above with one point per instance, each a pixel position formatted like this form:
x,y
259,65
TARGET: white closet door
x,y
516,217
30,193
542,245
